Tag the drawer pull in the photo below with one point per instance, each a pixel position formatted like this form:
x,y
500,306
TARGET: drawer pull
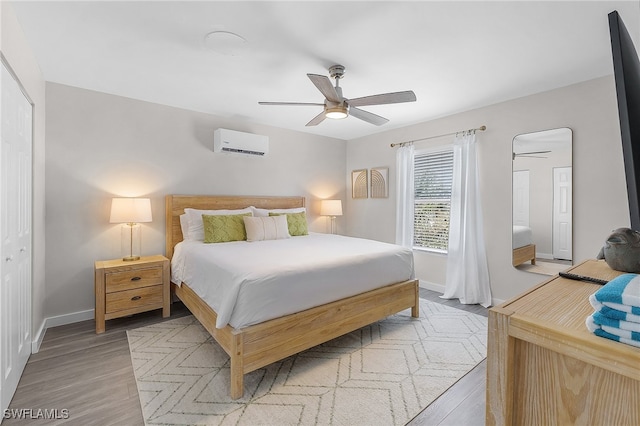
x,y
136,298
136,279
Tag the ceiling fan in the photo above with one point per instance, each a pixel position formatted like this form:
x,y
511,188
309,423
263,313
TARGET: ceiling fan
x,y
337,106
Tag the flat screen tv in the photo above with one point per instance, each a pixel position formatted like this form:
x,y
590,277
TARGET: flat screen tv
x,y
626,71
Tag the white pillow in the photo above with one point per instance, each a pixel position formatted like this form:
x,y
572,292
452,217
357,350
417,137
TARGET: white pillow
x,y
266,228
184,225
265,212
196,227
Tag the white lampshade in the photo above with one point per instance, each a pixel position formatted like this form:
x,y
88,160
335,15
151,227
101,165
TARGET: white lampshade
x,y
130,210
331,208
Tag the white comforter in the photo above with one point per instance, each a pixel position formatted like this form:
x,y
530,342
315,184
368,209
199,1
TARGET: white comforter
x,y
251,282
522,236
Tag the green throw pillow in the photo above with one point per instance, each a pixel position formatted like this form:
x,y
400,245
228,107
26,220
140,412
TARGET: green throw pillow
x,y
297,223
224,228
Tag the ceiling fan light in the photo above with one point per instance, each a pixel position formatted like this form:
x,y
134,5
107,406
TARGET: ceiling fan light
x,y
336,113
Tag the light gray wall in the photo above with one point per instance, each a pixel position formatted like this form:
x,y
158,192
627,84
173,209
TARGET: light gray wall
x,y
599,197
100,146
18,54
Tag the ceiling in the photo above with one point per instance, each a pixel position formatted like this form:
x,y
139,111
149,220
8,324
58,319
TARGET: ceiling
x,y
454,55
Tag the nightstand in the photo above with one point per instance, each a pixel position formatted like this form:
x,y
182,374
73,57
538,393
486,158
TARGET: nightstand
x,y
129,287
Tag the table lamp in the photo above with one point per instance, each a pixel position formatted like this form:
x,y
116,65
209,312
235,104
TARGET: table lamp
x,y
130,212
331,208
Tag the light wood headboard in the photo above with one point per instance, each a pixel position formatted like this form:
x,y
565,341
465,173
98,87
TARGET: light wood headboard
x,y
175,205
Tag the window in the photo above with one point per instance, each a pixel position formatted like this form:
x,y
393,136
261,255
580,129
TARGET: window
x,y
433,174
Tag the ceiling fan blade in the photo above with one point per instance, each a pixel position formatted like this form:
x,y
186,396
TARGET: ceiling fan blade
x,y
324,85
367,116
533,152
384,98
291,103
316,120
529,154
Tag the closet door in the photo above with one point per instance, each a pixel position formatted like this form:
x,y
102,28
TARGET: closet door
x,y
15,240
562,216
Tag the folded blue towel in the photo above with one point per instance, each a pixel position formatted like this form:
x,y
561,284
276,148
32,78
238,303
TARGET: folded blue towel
x,y
622,336
602,319
616,311
623,290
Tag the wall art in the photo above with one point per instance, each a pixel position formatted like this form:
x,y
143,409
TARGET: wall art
x,y
380,182
359,184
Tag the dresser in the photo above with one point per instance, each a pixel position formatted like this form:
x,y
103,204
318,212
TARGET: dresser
x,y
124,288
545,367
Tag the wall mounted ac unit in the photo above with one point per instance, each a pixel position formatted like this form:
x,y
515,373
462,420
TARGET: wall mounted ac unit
x,y
225,140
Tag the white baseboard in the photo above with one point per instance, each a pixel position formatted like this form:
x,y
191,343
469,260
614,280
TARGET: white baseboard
x,y
432,286
56,321
496,302
548,256
70,318
37,339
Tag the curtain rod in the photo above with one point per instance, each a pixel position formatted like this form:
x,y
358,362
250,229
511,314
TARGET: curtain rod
x,y
481,128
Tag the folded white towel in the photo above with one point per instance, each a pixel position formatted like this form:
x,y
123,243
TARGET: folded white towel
x,y
615,310
602,319
623,290
622,336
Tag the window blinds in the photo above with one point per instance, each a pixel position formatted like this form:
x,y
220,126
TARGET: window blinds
x,y
433,174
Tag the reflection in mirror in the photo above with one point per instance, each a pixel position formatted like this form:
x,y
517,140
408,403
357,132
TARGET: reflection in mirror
x,y
542,201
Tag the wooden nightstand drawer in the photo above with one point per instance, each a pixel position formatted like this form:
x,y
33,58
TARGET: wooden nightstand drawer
x,y
126,280
133,299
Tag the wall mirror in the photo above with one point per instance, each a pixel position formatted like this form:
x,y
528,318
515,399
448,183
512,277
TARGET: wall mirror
x,y
542,201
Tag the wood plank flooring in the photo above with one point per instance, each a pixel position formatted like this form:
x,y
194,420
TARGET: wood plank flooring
x,y
91,376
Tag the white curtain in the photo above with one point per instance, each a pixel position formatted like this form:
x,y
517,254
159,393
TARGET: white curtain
x,y
467,272
404,191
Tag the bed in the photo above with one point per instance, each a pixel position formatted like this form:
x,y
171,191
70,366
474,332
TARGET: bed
x,y
256,345
523,248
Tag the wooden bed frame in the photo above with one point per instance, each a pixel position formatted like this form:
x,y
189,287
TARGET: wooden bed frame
x,y
253,347
524,254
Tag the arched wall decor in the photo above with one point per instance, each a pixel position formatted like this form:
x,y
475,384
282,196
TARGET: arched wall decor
x,y
359,184
380,182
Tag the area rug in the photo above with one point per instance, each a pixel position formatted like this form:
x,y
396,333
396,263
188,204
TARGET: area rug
x,y
382,374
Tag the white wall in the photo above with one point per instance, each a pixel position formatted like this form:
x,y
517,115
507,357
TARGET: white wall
x,y
100,146
600,201
18,54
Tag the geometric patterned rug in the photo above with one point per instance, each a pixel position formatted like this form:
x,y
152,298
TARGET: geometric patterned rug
x,y
382,374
